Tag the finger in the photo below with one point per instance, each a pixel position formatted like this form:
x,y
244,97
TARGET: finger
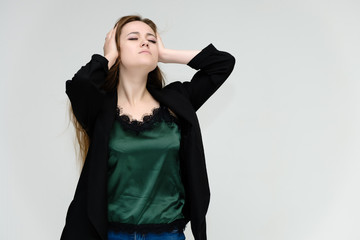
x,y
158,36
159,40
112,33
107,35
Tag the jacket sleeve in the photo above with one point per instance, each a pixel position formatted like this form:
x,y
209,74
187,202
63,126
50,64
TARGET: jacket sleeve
x,y
85,91
215,67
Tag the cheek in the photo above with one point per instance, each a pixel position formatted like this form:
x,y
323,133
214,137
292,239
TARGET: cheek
x,y
126,55
124,51
155,54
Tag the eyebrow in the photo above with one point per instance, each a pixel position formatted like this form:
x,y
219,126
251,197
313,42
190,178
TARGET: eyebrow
x,y
147,34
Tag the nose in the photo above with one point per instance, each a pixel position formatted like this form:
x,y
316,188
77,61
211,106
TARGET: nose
x,y
145,43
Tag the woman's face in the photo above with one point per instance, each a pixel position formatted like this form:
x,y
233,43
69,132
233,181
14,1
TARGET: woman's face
x,y
138,47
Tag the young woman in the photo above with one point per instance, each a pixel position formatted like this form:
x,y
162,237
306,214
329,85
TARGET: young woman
x,y
144,175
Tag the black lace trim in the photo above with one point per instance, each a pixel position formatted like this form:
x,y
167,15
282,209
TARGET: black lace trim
x,y
179,224
148,122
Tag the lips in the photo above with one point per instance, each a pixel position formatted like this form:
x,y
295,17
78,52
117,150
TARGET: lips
x,y
148,52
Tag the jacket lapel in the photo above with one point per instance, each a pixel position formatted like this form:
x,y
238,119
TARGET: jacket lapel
x,y
175,101
97,186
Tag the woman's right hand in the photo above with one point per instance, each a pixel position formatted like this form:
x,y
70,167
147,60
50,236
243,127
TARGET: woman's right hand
x,y
110,50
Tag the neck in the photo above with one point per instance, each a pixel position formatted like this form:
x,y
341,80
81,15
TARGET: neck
x,y
132,87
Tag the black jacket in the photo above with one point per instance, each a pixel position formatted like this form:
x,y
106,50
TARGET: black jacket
x,y
95,110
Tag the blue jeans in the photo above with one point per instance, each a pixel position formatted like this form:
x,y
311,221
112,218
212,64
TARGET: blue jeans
x,y
174,235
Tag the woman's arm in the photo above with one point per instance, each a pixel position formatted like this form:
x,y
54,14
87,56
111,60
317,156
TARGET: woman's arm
x,y
174,56
85,88
214,68
85,93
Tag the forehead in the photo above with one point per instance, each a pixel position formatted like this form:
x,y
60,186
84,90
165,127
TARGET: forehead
x,y
136,26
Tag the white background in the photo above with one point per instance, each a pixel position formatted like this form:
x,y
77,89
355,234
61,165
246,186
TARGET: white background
x,y
282,135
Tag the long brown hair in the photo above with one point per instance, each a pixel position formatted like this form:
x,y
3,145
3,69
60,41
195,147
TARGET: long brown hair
x,y
155,80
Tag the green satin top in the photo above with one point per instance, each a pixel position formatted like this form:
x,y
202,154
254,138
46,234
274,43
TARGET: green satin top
x,y
144,183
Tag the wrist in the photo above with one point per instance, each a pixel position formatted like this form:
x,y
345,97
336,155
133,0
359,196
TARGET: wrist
x,y
177,56
111,59
163,55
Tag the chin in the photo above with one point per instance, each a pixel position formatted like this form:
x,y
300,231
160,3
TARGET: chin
x,y
149,66
145,65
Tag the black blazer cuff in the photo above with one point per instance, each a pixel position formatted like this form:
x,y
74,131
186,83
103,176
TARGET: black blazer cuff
x,y
102,60
197,61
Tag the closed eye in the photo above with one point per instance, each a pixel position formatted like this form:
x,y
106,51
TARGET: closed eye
x,y
152,41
